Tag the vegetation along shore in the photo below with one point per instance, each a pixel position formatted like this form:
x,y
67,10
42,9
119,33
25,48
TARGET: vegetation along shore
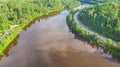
x,y
16,15
101,18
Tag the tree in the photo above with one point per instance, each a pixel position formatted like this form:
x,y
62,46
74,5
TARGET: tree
x,y
118,44
109,42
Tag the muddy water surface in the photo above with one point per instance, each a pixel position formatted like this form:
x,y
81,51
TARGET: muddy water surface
x,y
49,43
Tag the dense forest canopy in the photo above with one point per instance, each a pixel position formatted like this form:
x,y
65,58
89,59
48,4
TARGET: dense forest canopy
x,y
15,12
104,18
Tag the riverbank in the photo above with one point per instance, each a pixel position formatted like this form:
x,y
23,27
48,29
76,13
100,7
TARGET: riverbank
x,y
10,37
101,20
92,37
48,42
14,32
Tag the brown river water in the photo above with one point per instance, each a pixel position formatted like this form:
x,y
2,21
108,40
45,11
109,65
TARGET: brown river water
x,y
49,43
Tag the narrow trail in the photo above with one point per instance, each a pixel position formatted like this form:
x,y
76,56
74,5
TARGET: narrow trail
x,y
89,30
48,42
8,31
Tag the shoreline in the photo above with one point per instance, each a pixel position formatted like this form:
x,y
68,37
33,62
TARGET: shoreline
x,y
27,23
22,27
93,38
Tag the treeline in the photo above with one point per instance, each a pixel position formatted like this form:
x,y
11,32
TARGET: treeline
x,y
15,12
93,38
20,12
80,31
103,18
97,1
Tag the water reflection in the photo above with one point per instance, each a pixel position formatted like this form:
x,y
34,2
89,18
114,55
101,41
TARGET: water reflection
x,y
5,52
49,43
14,42
46,17
102,52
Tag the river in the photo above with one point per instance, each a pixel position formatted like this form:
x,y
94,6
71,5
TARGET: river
x,y
48,42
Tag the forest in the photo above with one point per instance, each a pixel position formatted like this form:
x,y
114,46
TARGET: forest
x,y
92,38
16,14
103,18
